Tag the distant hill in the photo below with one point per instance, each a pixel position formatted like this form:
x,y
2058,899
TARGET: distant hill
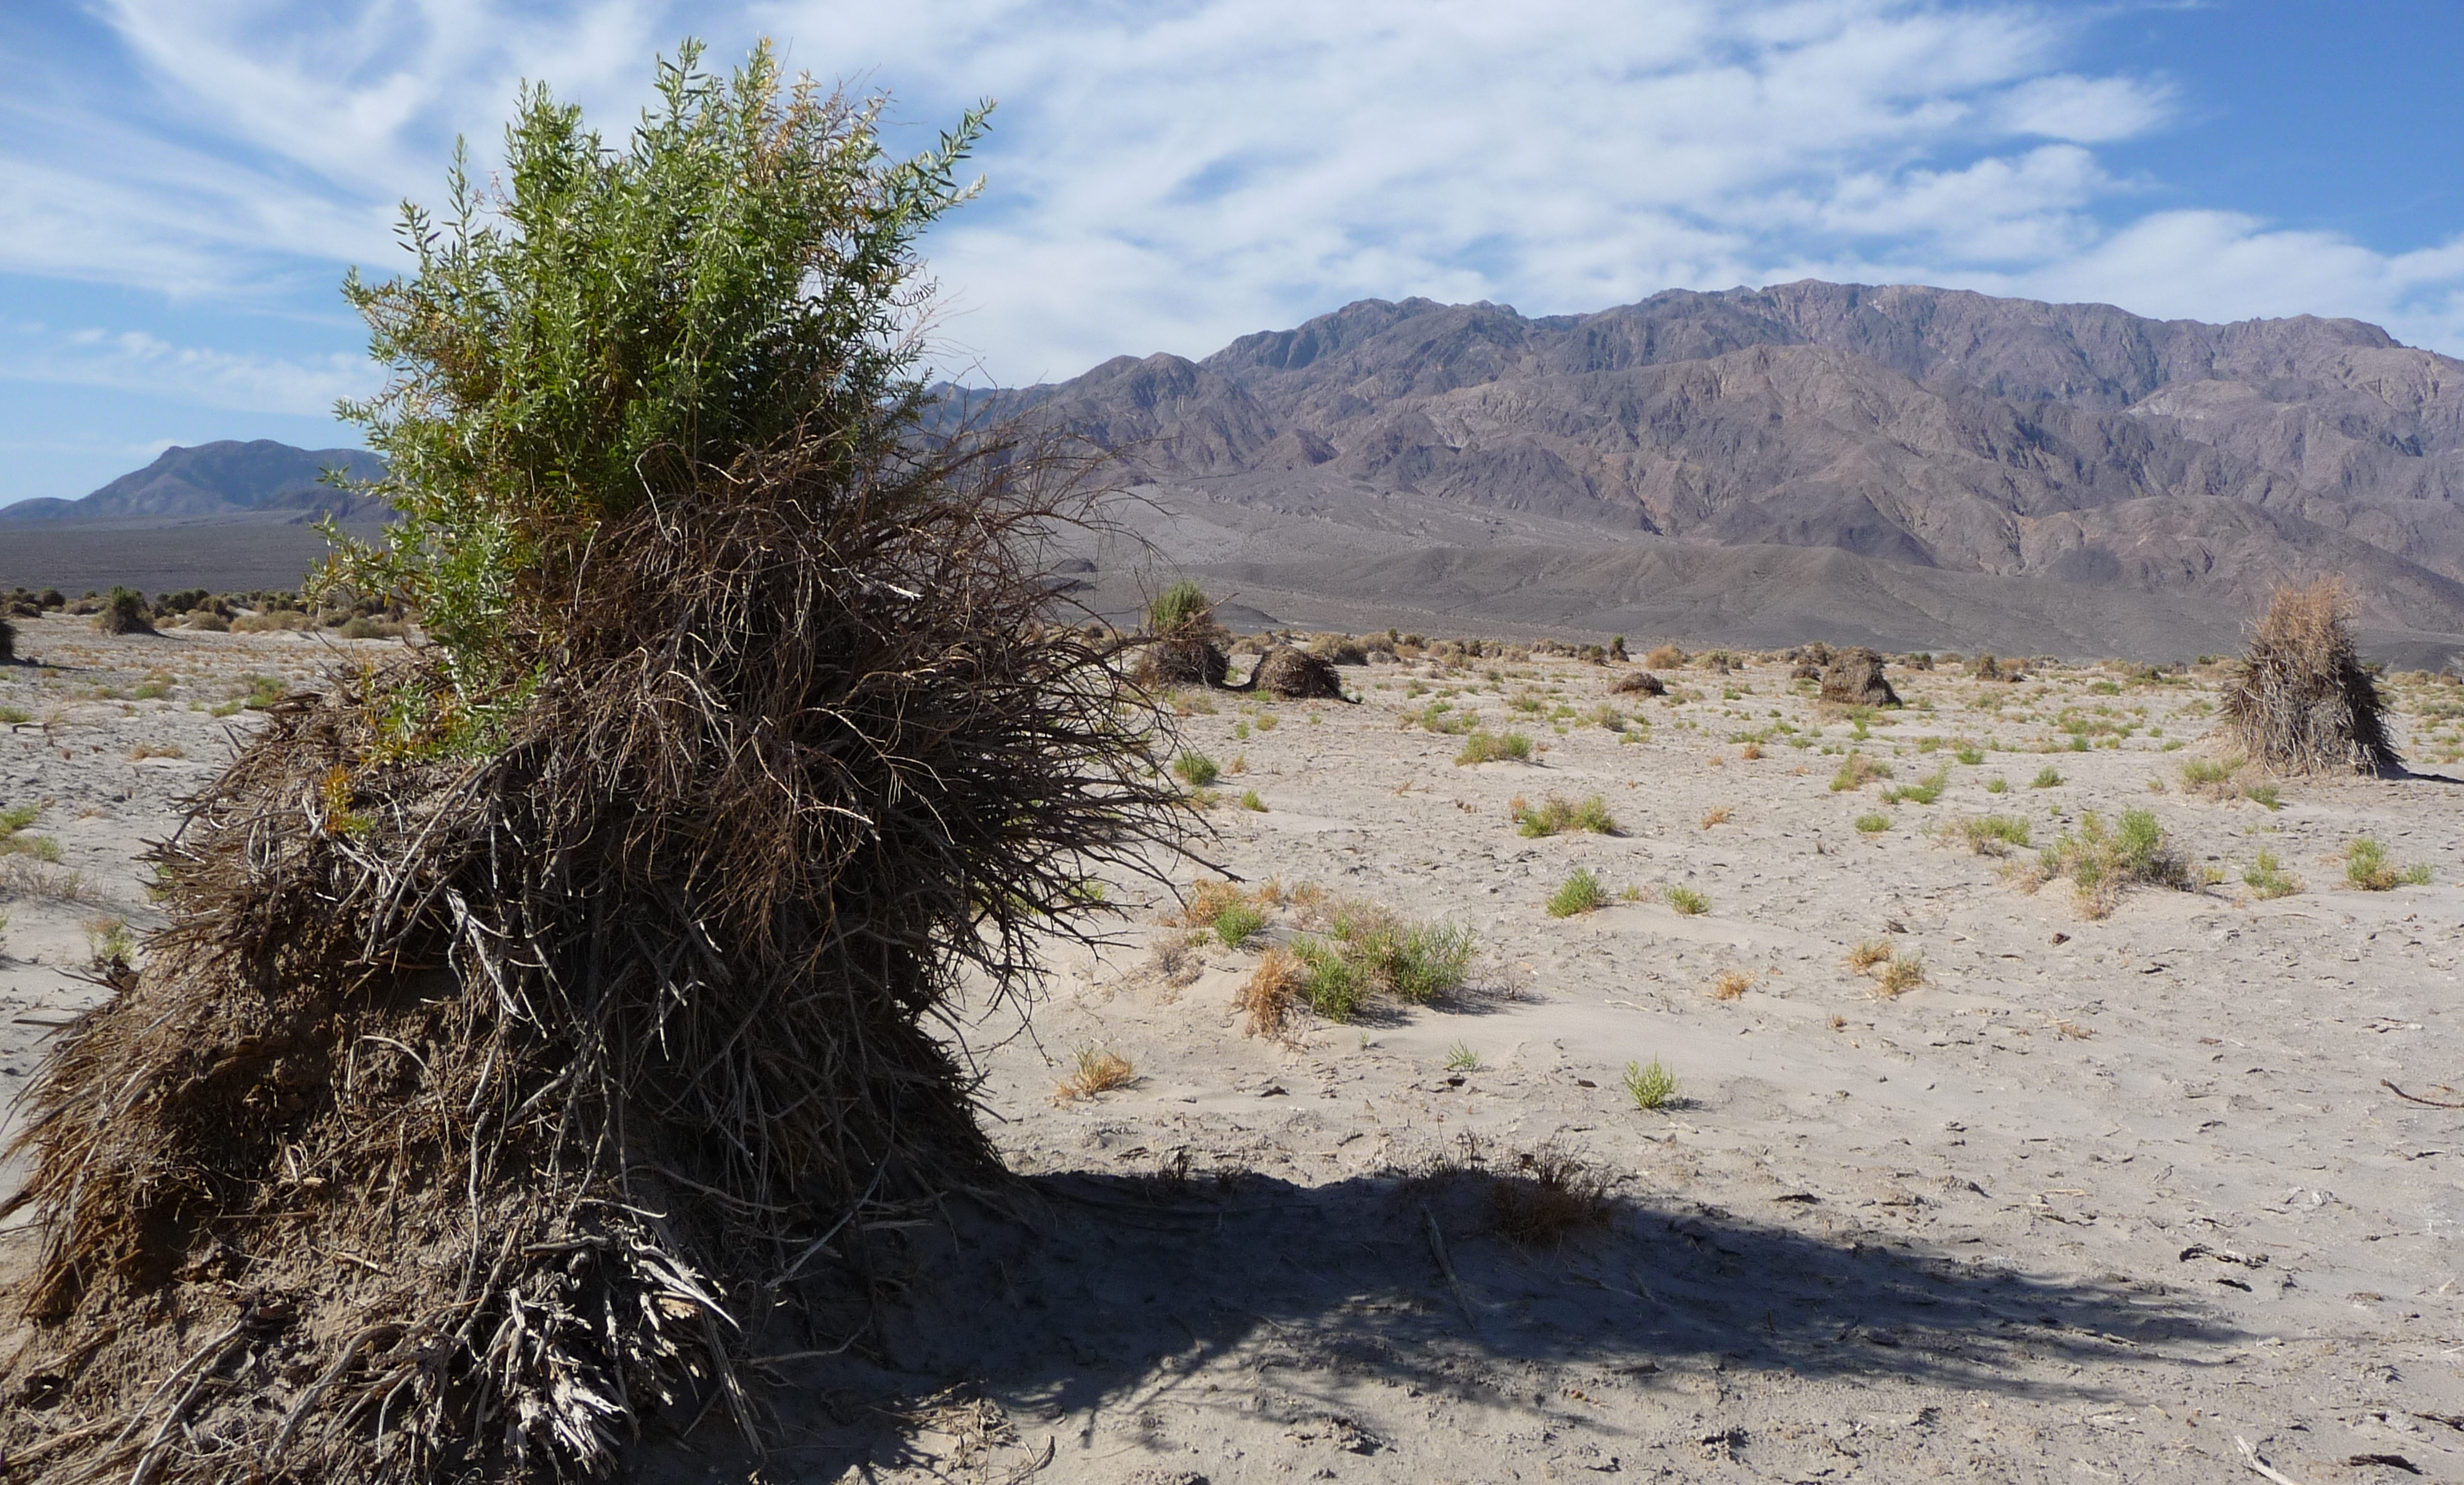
x,y
259,479
2123,484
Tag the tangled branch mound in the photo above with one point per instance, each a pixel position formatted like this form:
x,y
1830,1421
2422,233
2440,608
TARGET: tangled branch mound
x,y
542,1022
1183,661
1292,674
2301,702
1854,678
1641,682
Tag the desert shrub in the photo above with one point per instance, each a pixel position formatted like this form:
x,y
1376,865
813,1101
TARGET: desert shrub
x,y
2366,867
1339,649
1716,814
1688,901
1665,657
1461,1058
1729,984
1545,1196
2102,862
1970,754
1857,770
2047,777
1925,790
208,621
1855,678
2266,878
1180,611
1368,952
1275,991
1579,893
1651,1086
1994,835
1557,815
2300,700
1236,922
2210,779
271,619
1486,747
1872,823
1197,769
124,611
1250,800
1997,785
589,966
1291,674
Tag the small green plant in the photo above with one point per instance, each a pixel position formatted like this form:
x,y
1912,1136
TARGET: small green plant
x,y
1904,972
2100,861
1857,770
1267,721
17,817
2047,777
2366,867
1461,1058
1997,785
1651,1086
1685,900
263,691
1872,822
1923,792
1970,754
2264,795
1249,800
1579,893
1485,747
1236,922
1557,816
108,941
1239,732
1994,835
1180,609
2266,877
1368,952
12,716
1197,769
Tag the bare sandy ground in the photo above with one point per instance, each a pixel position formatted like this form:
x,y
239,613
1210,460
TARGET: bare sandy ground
x,y
2096,1200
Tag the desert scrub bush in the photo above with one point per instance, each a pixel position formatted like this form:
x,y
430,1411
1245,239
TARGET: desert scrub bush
x,y
1970,754
1867,954
1926,791
2210,779
1275,991
1461,1058
1486,747
1249,800
746,741
2266,878
1688,901
1857,770
2047,777
2300,701
1651,1086
1368,952
1872,823
1095,1071
1197,769
1557,815
1997,785
1545,1196
1182,608
1237,923
2366,867
1729,984
124,611
1994,835
1716,814
2102,862
1579,893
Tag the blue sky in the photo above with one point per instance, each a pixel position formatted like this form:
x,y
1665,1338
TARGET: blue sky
x,y
188,178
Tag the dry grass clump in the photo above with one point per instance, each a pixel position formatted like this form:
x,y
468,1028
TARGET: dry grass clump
x,y
1273,993
1994,835
1716,814
1096,1071
1688,901
1665,657
1557,815
2366,867
2299,701
2102,862
1866,954
1731,983
1904,972
1486,747
1547,1196
2266,878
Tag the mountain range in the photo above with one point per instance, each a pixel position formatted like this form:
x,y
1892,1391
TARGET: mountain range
x,y
1901,465
221,480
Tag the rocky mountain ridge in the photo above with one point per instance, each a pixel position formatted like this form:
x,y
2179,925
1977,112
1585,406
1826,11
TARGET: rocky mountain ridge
x,y
226,478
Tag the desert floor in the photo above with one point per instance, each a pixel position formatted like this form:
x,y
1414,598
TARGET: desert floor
x,y
2095,1200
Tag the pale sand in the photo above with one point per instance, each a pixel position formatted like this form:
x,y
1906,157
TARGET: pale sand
x,y
1936,1235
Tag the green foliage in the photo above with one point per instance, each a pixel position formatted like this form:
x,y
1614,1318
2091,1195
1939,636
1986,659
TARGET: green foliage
x,y
1857,770
1650,1086
2047,777
1484,747
1180,609
1997,785
1249,800
1687,901
2102,861
740,274
1368,951
1970,754
2366,867
1579,893
1461,1058
1995,834
2266,877
1873,824
1197,769
1558,815
1236,922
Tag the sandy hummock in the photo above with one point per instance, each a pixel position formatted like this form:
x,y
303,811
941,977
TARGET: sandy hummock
x,y
2095,1199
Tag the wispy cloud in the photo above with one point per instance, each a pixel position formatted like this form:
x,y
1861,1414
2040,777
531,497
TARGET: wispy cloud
x,y
1169,175
134,361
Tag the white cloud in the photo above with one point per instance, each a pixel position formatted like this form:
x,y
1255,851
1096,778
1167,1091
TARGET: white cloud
x,y
1168,176
134,360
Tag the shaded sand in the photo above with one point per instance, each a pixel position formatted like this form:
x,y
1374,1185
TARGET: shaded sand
x,y
2098,1197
